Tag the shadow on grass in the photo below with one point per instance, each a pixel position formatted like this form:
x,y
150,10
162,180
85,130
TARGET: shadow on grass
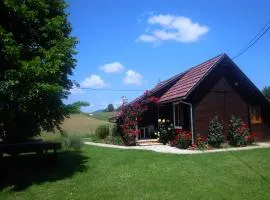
x,y
24,171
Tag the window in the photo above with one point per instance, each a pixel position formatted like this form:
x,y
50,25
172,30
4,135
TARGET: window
x,y
255,115
178,115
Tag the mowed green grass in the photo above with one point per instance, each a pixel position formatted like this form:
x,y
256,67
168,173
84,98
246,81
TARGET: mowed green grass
x,y
105,173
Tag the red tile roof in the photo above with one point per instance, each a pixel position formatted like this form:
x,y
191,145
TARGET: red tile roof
x,y
183,82
190,79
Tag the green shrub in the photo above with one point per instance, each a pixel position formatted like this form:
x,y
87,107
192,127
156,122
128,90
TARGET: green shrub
x,y
76,142
73,142
114,130
93,138
116,140
164,136
238,132
166,131
215,135
65,141
102,131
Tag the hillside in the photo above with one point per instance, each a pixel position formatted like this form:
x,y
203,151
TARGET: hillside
x,y
102,115
81,124
77,124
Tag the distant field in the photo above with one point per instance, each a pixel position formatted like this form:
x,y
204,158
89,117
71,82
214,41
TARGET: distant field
x,y
77,124
103,115
81,124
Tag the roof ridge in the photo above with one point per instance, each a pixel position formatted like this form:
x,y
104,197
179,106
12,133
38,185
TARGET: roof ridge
x,y
210,59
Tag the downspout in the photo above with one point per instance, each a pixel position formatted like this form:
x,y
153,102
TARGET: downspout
x,y
191,119
158,119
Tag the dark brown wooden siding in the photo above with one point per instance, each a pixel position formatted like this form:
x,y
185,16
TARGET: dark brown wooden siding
x,y
223,101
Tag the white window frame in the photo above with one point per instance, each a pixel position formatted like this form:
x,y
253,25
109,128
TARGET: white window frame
x,y
174,105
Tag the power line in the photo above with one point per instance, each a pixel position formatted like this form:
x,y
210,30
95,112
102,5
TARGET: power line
x,y
262,29
110,89
255,39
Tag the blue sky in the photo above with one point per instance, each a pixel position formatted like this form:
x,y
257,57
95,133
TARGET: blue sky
x,y
127,44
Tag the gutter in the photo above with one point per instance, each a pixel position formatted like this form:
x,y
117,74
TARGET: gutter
x,y
191,119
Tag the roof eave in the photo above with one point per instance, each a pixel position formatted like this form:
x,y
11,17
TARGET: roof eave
x,y
172,100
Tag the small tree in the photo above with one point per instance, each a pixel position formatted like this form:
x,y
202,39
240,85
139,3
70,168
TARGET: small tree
x,y
266,91
110,108
215,134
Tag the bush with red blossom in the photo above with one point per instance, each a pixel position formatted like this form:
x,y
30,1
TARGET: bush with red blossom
x,y
182,139
201,142
251,138
239,134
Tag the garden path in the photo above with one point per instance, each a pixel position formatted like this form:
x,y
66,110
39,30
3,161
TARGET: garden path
x,y
174,150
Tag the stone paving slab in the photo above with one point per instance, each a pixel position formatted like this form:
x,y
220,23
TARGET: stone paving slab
x,y
174,150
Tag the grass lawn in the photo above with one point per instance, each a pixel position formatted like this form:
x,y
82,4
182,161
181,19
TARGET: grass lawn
x,y
104,173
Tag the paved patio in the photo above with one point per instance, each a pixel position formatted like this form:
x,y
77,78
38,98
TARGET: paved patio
x,y
174,150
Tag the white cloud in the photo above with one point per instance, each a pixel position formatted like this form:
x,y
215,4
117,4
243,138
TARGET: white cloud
x,y
175,28
93,81
118,103
75,91
133,77
113,67
146,38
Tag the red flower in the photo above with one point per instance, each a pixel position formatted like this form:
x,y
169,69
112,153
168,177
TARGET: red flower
x,y
254,134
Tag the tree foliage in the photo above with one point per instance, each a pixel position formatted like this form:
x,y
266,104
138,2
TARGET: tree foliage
x,y
110,108
266,92
36,58
76,106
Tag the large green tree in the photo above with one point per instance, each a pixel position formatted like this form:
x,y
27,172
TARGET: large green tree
x,y
36,59
76,106
266,91
110,108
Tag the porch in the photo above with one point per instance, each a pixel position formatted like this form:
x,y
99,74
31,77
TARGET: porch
x,y
177,113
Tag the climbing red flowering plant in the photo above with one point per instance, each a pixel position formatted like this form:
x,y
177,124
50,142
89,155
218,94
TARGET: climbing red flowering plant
x,y
130,115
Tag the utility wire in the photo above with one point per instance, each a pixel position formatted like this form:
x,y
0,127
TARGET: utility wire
x,y
109,89
255,39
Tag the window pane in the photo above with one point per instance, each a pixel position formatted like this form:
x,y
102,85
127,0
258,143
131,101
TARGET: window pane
x,y
178,114
255,114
